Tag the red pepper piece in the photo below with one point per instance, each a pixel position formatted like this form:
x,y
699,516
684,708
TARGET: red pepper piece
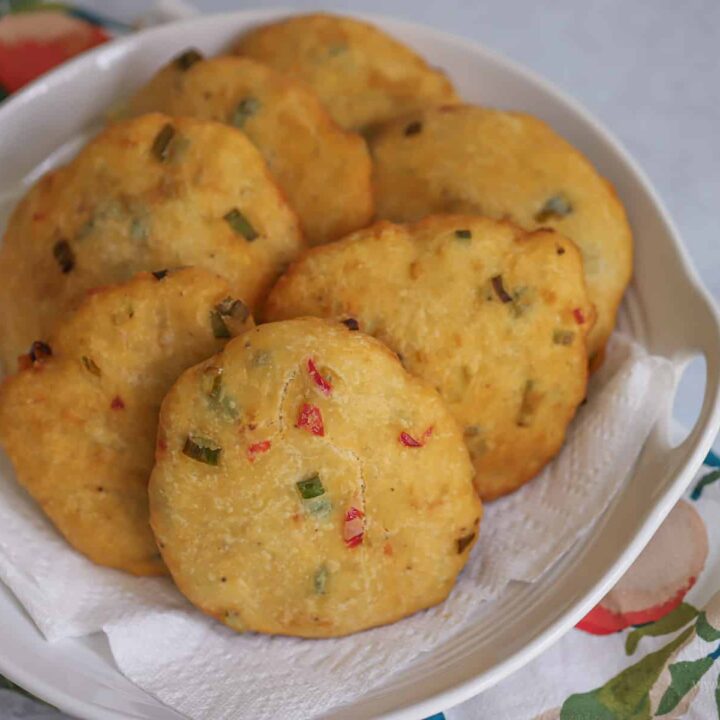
x,y
353,530
409,441
310,418
318,379
117,403
579,316
257,449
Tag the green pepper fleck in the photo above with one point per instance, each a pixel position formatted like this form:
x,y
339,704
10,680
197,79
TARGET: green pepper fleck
x,y
413,128
320,580
64,255
138,230
499,288
563,337
556,207
202,449
261,358
528,404
91,365
310,488
188,59
245,109
240,224
219,328
463,234
464,541
236,309
161,144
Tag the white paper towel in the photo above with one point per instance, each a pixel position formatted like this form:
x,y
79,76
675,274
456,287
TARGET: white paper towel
x,y
204,670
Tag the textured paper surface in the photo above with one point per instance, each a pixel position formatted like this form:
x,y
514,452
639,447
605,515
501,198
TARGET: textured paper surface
x,y
204,670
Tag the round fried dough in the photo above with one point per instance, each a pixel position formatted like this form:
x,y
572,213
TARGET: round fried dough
x,y
495,317
323,170
507,165
361,74
147,193
340,499
79,422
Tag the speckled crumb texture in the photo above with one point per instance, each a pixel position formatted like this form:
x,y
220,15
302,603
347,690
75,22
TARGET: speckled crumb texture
x,y
507,165
359,72
338,498
493,316
324,171
79,421
152,192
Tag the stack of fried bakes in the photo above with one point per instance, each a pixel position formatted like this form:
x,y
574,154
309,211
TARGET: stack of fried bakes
x,y
319,473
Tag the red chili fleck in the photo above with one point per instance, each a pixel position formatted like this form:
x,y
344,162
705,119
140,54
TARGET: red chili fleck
x,y
162,444
318,379
36,216
388,549
257,449
409,441
353,531
117,403
310,418
579,316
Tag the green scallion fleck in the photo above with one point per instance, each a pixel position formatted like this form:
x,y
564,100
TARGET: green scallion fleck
x,y
527,405
64,255
139,230
236,309
262,358
320,580
219,328
563,337
557,206
203,450
311,487
464,541
90,365
240,224
188,59
161,144
245,109
463,234
499,288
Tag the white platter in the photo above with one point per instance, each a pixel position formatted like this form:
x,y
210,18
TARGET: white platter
x,y
665,309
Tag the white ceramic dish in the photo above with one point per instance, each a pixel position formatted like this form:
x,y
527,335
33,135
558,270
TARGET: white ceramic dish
x,y
665,309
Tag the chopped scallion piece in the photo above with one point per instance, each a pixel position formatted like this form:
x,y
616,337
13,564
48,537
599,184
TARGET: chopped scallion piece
x,y
240,224
202,450
159,274
320,580
219,328
311,487
64,255
464,541
188,59
498,287
557,206
245,109
563,337
413,128
463,234
91,366
161,144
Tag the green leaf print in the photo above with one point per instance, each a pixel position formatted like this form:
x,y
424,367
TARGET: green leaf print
x,y
684,676
627,695
705,630
673,621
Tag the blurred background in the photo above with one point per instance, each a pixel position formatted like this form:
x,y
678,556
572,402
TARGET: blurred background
x,y
649,70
